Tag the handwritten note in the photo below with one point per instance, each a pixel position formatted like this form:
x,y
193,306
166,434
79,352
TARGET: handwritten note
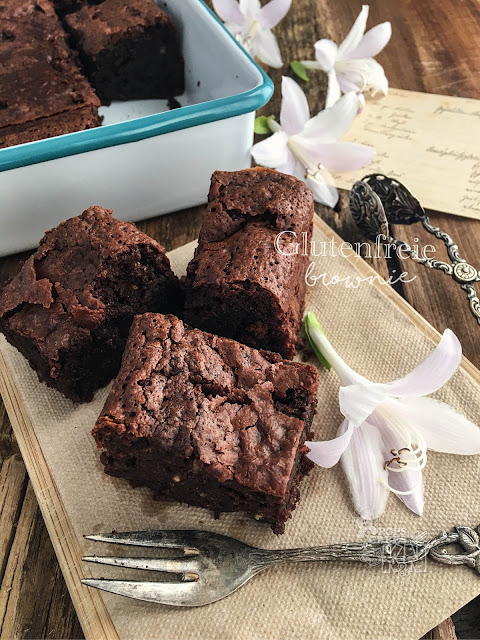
x,y
429,142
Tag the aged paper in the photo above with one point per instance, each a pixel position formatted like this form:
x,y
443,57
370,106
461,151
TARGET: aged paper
x,y
429,142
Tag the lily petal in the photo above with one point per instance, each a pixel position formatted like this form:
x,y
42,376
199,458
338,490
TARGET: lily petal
x,y
265,47
341,156
333,89
443,428
229,11
361,103
328,452
332,123
271,14
294,112
324,192
236,30
250,8
372,42
359,401
435,371
407,480
293,167
377,80
346,84
273,151
363,465
365,74
356,33
326,54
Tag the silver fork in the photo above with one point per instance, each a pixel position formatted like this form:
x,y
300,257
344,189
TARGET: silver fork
x,y
210,566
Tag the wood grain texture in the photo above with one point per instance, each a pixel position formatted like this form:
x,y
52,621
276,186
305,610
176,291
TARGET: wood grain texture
x,y
444,631
434,48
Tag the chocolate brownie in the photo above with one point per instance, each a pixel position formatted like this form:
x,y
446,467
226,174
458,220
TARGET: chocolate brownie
x,y
130,50
208,421
68,6
43,92
69,309
239,284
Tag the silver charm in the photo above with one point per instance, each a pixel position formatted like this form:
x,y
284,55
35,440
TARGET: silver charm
x,y
377,200
469,540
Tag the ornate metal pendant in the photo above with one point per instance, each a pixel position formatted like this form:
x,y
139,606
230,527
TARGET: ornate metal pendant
x,y
377,200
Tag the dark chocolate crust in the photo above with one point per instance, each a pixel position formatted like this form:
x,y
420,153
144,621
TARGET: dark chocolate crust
x,y
43,92
238,284
69,309
130,50
68,6
208,421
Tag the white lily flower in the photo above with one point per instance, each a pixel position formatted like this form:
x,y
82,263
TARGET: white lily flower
x,y
251,24
388,428
308,147
350,66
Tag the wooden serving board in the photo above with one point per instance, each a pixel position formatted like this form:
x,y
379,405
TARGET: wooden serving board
x,y
102,617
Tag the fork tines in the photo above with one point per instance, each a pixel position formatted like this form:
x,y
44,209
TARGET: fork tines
x,y
157,539
185,567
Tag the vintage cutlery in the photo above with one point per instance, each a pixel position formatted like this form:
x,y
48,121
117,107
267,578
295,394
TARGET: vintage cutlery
x,y
209,566
377,200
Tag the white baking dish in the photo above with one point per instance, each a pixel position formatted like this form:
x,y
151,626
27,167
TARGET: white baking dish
x,y
146,159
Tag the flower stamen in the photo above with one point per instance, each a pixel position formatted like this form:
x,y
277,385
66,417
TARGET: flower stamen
x,y
246,40
396,458
413,462
315,174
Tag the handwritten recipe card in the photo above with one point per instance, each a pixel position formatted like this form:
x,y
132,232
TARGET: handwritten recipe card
x,y
429,142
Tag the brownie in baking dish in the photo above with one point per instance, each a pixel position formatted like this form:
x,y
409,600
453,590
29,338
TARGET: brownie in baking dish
x,y
68,6
208,421
69,309
239,284
130,50
43,92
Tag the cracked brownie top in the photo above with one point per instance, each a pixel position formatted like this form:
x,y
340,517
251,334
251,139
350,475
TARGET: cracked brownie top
x,y
274,200
100,24
83,273
40,74
247,278
195,395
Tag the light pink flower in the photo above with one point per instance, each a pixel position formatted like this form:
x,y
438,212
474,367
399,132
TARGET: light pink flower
x,y
308,148
388,428
251,24
350,66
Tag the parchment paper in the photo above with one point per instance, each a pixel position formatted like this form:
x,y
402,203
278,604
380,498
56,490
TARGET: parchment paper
x,y
304,601
441,130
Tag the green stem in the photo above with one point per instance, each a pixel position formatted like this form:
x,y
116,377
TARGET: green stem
x,y
326,353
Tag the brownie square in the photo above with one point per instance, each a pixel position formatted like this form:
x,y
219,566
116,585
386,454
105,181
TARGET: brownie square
x,y
43,92
239,284
130,50
68,6
69,309
208,421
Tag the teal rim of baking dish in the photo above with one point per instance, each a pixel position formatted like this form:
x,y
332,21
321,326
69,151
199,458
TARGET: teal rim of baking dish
x,y
141,128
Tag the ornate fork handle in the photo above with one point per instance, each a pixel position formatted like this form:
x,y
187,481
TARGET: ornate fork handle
x,y
428,262
393,551
377,200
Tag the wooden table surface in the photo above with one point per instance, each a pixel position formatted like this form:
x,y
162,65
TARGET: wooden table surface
x,y
434,48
